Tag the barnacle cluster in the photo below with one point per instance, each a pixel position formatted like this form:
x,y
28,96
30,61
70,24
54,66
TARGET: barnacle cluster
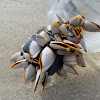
x,y
54,49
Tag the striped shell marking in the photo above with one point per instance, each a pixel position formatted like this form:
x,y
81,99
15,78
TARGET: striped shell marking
x,y
91,26
73,31
47,58
42,38
45,35
58,45
70,58
57,37
34,49
29,74
20,64
76,41
39,79
80,58
43,83
72,45
15,56
77,20
69,68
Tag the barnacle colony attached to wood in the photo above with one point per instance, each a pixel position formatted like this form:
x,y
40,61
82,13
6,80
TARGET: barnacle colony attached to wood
x,y
54,49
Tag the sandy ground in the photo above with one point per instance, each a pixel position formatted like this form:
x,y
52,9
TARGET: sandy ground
x,y
19,19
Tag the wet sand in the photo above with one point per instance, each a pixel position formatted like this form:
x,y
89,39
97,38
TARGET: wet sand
x,y
19,19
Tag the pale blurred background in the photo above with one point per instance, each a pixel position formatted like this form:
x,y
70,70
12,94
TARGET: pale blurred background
x,y
19,19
